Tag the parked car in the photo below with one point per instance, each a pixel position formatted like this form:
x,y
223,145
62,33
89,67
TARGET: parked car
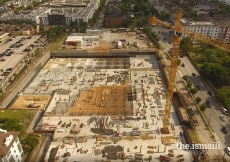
x,y
224,129
228,150
201,84
209,104
225,111
222,118
210,93
3,60
198,87
9,69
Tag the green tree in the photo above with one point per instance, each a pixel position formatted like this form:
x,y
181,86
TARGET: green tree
x,y
219,75
193,90
189,84
198,100
186,45
224,95
203,45
164,15
203,107
185,77
90,21
41,28
31,141
211,13
123,9
209,55
12,125
35,4
77,29
29,8
145,22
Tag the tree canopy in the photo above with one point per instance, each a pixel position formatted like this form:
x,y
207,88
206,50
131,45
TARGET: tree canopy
x,y
186,45
224,95
152,36
31,140
12,125
217,73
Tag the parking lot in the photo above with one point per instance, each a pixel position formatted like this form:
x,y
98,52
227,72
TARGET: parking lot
x,y
12,52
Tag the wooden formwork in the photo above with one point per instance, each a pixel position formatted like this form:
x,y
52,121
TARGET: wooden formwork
x,y
104,100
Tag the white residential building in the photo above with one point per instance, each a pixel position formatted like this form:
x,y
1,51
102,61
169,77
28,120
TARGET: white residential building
x,y
58,13
213,29
10,147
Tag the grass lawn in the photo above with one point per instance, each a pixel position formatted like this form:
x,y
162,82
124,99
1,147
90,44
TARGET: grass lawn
x,y
24,116
193,136
58,45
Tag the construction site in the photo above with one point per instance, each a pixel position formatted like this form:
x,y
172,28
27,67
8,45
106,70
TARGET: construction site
x,y
101,104
104,109
109,105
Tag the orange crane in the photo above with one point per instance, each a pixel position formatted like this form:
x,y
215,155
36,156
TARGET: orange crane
x,y
175,53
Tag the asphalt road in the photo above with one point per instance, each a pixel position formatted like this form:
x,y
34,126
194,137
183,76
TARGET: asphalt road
x,y
212,114
166,38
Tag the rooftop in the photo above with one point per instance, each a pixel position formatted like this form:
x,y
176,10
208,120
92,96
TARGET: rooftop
x,y
4,149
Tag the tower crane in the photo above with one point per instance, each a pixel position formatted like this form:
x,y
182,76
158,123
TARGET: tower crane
x,y
175,53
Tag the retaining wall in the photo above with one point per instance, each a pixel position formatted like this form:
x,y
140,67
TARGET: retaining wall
x,y
93,54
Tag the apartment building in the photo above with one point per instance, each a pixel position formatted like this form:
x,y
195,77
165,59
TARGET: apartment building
x,y
10,147
216,30
58,13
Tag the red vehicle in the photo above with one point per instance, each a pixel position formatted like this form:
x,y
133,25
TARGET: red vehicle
x,y
165,158
3,60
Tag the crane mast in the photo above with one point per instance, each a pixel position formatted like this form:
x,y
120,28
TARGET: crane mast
x,y
174,60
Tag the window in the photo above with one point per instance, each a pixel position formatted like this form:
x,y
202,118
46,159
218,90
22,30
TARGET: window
x,y
8,154
19,147
11,159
